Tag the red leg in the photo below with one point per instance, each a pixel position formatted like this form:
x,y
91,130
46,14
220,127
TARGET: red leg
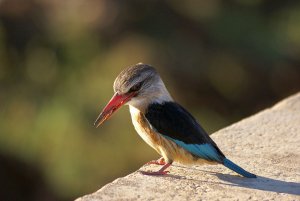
x,y
160,161
159,172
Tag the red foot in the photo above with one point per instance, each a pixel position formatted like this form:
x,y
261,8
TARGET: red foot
x,y
160,161
159,172
154,173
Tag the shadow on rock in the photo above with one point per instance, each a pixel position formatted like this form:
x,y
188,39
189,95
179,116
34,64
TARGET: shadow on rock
x,y
262,183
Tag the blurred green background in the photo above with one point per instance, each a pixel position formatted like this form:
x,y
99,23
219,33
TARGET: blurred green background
x,y
222,60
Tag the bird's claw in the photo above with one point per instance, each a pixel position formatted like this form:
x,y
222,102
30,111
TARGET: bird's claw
x,y
159,172
160,161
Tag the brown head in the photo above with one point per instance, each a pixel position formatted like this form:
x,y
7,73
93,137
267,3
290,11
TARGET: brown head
x,y
138,86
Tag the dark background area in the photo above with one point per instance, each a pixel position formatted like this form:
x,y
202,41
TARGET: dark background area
x,y
222,60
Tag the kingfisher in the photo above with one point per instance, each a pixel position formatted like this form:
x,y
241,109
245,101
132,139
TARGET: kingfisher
x,y
162,123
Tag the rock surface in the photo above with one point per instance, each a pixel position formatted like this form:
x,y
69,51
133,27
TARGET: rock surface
x,y
267,144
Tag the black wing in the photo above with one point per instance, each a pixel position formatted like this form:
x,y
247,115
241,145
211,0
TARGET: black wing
x,y
175,123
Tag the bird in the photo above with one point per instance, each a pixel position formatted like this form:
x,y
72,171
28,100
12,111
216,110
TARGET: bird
x,y
163,123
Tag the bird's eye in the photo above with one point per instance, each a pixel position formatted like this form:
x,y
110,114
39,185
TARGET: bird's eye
x,y
136,87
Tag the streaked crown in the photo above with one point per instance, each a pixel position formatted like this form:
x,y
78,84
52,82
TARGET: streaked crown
x,y
134,78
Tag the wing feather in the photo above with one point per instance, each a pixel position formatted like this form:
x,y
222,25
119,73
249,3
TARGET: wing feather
x,y
175,123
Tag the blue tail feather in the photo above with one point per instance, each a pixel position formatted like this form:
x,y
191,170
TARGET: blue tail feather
x,y
229,164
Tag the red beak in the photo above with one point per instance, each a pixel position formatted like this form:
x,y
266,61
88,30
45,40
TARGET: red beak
x,y
113,105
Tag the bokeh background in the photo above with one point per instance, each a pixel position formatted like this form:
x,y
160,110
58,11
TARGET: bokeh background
x,y
222,60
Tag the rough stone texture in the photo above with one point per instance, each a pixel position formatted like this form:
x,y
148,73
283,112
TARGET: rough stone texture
x,y
267,144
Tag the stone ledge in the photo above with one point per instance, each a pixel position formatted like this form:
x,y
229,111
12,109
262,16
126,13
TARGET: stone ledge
x,y
267,144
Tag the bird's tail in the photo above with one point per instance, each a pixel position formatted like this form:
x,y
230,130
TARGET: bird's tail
x,y
229,164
